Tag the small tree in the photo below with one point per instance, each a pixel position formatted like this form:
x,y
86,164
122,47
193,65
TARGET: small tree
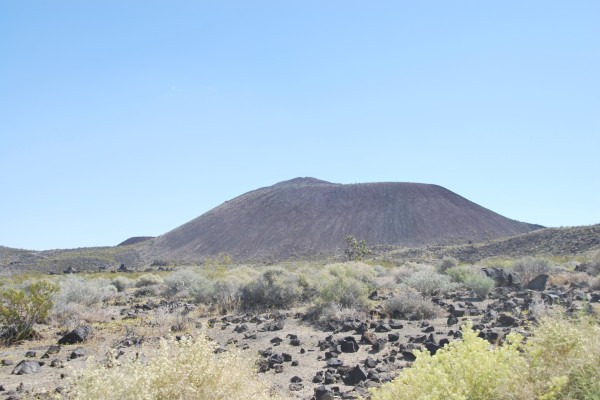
x,y
355,250
20,309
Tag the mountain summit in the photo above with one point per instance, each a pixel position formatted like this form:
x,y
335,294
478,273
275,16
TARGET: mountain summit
x,y
308,216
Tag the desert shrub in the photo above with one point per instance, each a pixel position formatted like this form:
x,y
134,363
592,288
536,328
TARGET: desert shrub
x,y
561,360
353,270
21,308
446,263
465,369
184,370
480,284
355,250
148,280
84,292
182,282
471,278
122,283
335,312
527,268
274,288
344,292
337,293
564,357
203,292
429,282
149,291
410,304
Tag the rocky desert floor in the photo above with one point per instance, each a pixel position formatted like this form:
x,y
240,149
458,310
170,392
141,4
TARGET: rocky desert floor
x,y
300,359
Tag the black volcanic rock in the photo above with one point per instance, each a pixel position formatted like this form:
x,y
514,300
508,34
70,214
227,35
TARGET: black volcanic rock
x,y
306,216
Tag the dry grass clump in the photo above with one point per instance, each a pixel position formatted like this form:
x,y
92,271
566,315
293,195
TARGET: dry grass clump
x,y
181,371
86,292
148,280
335,312
122,283
407,303
527,268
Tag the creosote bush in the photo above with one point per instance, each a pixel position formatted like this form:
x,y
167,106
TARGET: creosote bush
x,y
186,370
21,308
465,369
560,361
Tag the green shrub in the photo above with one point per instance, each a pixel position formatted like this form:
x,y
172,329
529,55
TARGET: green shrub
x,y
148,280
465,369
21,308
561,360
355,250
429,282
472,278
410,304
564,357
274,288
346,293
187,370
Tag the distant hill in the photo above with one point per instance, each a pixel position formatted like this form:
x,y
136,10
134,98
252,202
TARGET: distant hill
x,y
568,242
308,217
134,240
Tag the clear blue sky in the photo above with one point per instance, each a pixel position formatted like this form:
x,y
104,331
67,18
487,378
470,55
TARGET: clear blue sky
x,y
123,118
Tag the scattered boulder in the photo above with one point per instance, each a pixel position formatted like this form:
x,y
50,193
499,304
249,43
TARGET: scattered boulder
x,y
78,335
538,283
77,353
27,367
53,349
501,277
348,345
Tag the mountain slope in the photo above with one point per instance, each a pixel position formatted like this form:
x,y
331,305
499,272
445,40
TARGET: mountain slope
x,y
307,216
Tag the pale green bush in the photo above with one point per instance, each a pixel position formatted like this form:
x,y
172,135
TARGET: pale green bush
x,y
148,280
84,292
122,283
187,370
407,303
429,282
182,282
274,288
345,292
472,278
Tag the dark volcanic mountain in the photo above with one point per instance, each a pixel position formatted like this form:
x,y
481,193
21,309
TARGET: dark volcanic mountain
x,y
307,216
